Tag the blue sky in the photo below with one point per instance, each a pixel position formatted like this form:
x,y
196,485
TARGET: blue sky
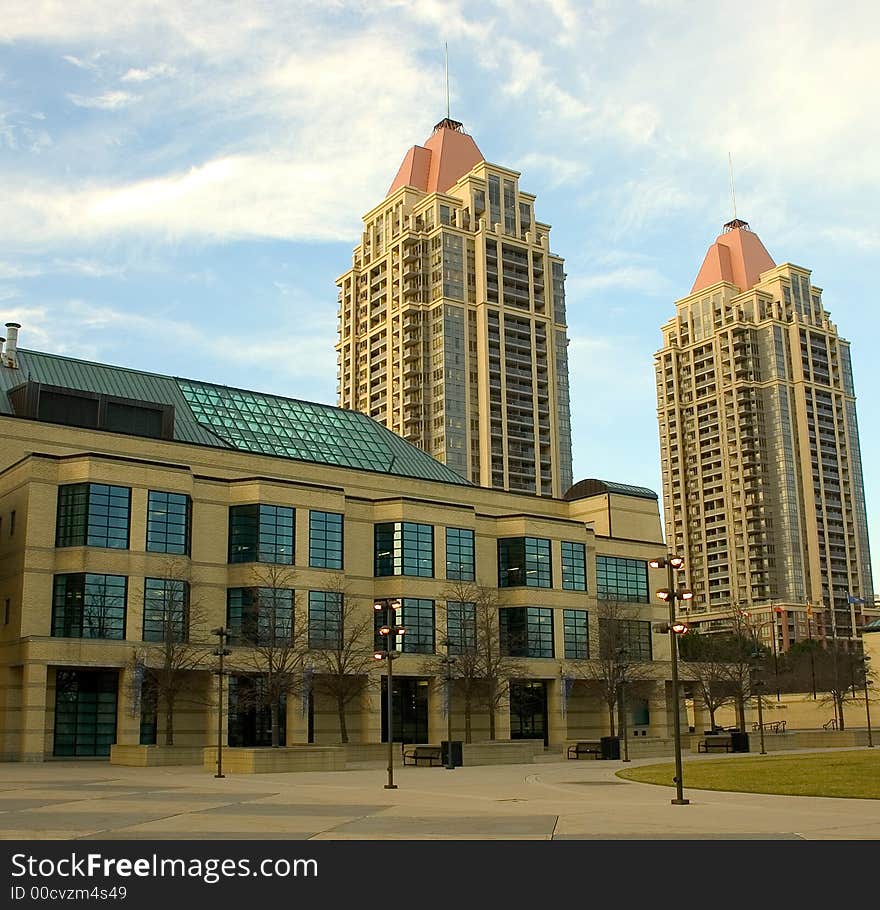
x,y
181,182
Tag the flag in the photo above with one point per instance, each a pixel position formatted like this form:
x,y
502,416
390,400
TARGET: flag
x,y
851,599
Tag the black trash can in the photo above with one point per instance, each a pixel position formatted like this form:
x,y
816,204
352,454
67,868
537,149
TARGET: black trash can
x,y
456,752
739,742
610,746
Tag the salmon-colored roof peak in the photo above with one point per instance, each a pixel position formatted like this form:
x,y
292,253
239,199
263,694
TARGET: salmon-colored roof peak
x,y
446,156
737,256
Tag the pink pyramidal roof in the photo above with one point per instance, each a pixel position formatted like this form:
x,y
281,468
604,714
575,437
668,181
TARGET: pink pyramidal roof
x,y
737,256
448,155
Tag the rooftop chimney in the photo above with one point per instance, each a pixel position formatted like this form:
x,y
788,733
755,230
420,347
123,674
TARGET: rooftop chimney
x,y
10,357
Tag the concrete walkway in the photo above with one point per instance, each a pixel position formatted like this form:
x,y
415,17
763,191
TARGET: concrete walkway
x,y
552,799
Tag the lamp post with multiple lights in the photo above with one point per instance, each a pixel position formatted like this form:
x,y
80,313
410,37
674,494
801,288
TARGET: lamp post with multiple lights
x,y
670,594
449,662
389,630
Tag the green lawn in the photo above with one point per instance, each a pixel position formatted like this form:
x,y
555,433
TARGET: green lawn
x,y
852,774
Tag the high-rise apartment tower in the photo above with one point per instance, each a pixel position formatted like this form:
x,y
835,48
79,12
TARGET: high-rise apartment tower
x,y
452,320
762,476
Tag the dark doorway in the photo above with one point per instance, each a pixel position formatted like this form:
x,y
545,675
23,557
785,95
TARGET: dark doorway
x,y
85,712
409,710
528,710
250,720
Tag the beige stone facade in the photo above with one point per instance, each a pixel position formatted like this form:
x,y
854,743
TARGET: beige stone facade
x,y
39,458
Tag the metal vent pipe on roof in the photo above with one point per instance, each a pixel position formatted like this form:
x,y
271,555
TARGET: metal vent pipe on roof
x,y
2,342
9,358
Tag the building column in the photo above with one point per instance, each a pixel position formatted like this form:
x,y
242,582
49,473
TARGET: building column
x,y
371,712
437,718
502,714
557,721
211,708
297,720
128,709
33,712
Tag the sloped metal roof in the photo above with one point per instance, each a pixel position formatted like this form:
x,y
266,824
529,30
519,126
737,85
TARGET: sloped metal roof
x,y
593,487
263,424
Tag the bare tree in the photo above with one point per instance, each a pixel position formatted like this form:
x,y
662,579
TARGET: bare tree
x,y
616,660
341,650
174,651
480,672
708,666
276,630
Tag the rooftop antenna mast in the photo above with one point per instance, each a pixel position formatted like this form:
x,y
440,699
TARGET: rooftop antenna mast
x,y
732,190
446,46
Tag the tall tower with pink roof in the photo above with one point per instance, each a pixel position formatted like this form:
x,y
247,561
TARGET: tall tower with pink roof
x,y
452,327
759,444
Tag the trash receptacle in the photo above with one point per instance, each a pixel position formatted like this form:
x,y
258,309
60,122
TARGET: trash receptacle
x,y
739,742
610,746
456,752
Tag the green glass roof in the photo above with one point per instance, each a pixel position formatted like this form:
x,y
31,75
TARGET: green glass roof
x,y
214,415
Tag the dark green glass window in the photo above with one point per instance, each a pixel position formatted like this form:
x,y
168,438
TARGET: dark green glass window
x,y
93,515
404,548
630,638
526,631
260,616
261,533
618,578
575,627
85,712
416,615
325,619
166,609
89,606
168,522
524,561
574,566
461,626
325,540
459,554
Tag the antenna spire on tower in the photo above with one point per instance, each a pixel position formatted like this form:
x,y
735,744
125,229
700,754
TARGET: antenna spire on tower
x,y
446,46
732,189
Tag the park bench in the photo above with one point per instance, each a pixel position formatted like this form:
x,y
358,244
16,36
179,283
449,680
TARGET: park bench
x,y
715,742
588,747
430,754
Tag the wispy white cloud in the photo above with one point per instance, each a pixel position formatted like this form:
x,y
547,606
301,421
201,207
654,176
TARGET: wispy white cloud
x,y
640,278
107,101
150,72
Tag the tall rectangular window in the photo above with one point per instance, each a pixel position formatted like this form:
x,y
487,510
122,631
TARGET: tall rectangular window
x,y
325,619
629,637
261,533
260,616
461,627
166,609
524,561
89,606
325,540
574,566
459,554
575,626
526,631
168,522
404,548
416,615
618,578
93,515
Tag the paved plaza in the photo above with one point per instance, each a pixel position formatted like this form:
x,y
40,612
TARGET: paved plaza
x,y
552,799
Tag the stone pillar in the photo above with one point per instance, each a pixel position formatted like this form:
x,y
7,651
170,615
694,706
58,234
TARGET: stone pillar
x,y
128,712
33,712
371,712
437,719
557,723
502,715
297,718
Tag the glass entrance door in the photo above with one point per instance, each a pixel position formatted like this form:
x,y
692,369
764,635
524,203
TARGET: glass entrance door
x,y
85,712
409,708
528,710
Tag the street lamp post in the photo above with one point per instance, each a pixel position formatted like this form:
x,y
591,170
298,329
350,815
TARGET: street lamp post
x,y
389,630
622,712
221,651
758,683
777,611
449,662
812,661
669,594
865,661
